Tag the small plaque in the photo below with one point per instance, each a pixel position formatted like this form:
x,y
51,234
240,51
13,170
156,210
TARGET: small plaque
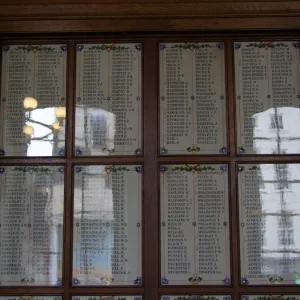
x,y
107,225
109,99
194,225
192,98
267,90
115,297
31,231
33,100
269,210
195,297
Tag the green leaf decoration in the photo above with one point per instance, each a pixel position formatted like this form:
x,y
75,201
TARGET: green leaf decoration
x,y
36,48
267,45
254,168
193,168
114,169
108,47
31,169
192,46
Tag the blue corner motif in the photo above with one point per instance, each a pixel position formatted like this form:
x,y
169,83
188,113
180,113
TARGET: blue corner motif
x,y
163,169
61,170
59,282
220,46
223,168
2,170
138,151
223,150
162,47
139,169
78,169
80,48
138,281
166,298
244,281
78,152
164,281
75,281
61,152
2,152
138,298
241,169
6,48
63,48
296,45
163,150
226,298
242,150
237,46
138,47
226,281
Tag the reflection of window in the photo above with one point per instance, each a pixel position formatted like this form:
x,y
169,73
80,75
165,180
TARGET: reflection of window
x,y
281,176
276,122
285,229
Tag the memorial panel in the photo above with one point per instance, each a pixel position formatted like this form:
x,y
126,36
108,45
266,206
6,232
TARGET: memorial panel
x,y
269,216
109,99
33,100
115,297
107,225
195,297
270,297
195,244
14,297
267,90
31,231
192,98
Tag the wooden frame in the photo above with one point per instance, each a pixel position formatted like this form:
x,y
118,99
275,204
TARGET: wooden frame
x,y
151,160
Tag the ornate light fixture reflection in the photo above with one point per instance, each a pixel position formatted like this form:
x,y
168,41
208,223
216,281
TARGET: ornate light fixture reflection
x,y
28,130
30,103
60,112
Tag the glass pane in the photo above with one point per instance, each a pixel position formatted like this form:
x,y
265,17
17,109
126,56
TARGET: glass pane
x,y
192,98
107,225
267,89
109,99
194,225
32,107
115,297
14,297
31,231
270,297
269,211
196,297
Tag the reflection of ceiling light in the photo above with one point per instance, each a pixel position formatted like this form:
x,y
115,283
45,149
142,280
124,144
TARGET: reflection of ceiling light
x,y
56,125
60,112
30,103
28,130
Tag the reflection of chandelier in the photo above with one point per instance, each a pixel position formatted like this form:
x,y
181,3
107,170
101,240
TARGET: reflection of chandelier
x,y
30,103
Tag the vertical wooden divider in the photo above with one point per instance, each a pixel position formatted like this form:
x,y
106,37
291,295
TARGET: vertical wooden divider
x,y
151,200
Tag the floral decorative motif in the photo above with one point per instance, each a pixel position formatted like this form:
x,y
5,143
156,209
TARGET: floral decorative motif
x,y
244,281
225,224
61,152
56,298
162,47
61,170
78,152
193,149
138,151
80,48
138,281
109,169
2,152
245,298
24,280
192,46
193,168
296,45
2,170
139,169
195,279
223,168
242,150
242,224
25,297
63,48
163,150
164,280
108,47
138,47
237,46
36,48
223,150
220,46
241,169
267,45
163,224
166,298
163,169
75,281
107,278
78,169
6,48
254,168
276,279
108,150
226,281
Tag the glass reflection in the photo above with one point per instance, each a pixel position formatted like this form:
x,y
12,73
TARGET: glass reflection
x,y
106,232
270,217
31,231
32,107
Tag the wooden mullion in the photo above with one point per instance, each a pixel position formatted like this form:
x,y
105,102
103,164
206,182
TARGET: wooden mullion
x,y
151,174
